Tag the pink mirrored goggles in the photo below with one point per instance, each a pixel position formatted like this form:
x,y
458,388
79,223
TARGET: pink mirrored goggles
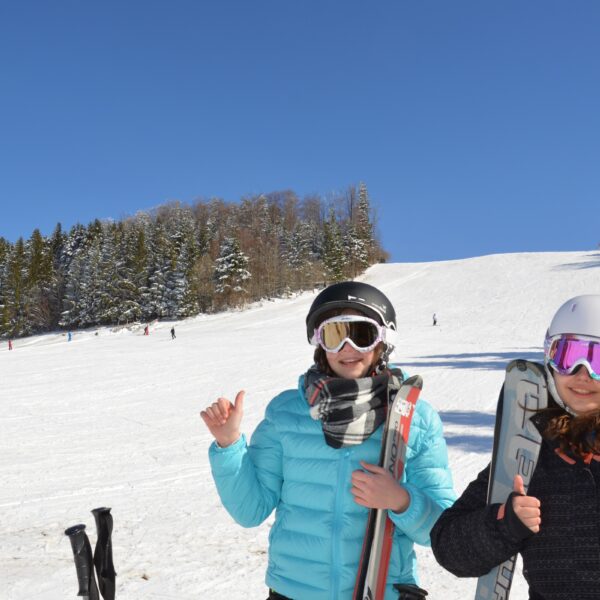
x,y
566,353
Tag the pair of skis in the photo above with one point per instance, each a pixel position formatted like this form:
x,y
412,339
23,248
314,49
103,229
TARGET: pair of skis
x,y
377,545
102,560
516,449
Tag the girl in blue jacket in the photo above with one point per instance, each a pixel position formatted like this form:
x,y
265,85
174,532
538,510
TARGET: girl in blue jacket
x,y
314,457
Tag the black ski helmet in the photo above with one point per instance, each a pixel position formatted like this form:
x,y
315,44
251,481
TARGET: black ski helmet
x,y
351,294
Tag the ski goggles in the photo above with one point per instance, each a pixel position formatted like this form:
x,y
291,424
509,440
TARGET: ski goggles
x,y
565,353
362,333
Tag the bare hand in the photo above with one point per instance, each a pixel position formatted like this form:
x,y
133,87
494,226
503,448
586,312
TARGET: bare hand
x,y
377,488
223,419
527,508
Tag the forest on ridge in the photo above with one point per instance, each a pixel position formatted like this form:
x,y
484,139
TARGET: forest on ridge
x,y
180,260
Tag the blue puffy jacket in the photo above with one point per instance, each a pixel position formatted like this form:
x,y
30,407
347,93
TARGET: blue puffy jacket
x,y
316,540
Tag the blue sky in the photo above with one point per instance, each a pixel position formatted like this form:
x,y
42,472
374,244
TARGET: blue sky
x,y
475,125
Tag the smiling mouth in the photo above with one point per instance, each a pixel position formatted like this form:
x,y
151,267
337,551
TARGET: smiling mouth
x,y
581,392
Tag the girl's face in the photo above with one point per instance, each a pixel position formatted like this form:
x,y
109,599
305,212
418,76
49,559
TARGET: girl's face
x,y
349,363
579,391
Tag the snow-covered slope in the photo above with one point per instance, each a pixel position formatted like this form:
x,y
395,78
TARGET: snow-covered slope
x,y
112,420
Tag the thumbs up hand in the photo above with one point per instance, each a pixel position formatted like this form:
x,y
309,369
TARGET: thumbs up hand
x,y
223,419
527,508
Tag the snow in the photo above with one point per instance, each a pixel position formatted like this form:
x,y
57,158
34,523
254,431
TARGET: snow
x,y
112,420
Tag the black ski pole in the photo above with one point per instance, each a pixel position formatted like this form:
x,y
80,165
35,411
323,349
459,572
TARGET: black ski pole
x,y
103,560
82,553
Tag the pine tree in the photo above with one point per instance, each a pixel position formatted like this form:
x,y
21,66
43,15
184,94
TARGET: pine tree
x,y
38,284
334,256
298,256
364,228
231,273
15,313
156,300
75,263
57,284
4,254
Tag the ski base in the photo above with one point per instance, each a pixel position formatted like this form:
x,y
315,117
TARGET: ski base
x,y
516,448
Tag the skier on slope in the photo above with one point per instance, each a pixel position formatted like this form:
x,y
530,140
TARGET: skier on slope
x,y
555,525
314,456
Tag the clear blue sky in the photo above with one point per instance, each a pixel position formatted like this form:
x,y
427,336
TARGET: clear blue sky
x,y
474,124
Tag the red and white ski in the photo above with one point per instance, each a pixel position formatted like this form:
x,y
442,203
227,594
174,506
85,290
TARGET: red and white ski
x,y
377,546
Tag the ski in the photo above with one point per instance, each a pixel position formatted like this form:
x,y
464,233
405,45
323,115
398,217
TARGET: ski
x,y
82,553
516,448
103,560
377,545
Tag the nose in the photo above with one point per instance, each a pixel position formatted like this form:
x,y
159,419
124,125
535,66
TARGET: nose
x,y
582,372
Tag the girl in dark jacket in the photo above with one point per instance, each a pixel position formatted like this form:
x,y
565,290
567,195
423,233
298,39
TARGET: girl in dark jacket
x,y
556,526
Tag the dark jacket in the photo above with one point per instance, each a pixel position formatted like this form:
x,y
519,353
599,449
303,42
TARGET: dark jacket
x,y
562,560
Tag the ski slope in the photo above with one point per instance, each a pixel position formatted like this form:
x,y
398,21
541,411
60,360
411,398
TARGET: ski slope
x,y
112,420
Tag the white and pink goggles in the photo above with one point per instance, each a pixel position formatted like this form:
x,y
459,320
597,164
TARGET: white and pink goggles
x,y
362,333
565,353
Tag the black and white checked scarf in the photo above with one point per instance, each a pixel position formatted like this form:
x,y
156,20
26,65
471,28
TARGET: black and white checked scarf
x,y
350,410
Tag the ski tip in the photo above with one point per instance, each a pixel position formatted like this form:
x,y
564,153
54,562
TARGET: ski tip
x,y
523,365
414,381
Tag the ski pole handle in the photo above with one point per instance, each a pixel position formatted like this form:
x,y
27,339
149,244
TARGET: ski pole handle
x,y
103,560
82,554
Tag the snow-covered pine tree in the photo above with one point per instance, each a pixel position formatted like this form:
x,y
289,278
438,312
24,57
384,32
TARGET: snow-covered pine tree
x,y
181,293
76,256
364,228
159,269
231,272
4,253
298,256
334,255
38,288
16,315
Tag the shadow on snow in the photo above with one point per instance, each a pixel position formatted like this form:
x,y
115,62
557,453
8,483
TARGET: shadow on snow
x,y
469,442
590,263
482,360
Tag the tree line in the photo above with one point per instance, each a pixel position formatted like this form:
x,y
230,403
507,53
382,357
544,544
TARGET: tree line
x,y
180,260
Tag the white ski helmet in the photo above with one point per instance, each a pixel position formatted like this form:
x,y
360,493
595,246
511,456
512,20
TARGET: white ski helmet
x,y
578,316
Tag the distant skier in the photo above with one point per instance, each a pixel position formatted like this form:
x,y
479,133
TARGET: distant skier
x,y
434,319
69,336
554,524
314,458
172,333
147,330
10,344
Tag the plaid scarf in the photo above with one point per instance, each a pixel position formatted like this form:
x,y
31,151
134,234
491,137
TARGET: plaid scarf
x,y
350,410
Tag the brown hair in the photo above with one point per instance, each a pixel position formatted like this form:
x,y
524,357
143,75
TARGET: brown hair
x,y
575,434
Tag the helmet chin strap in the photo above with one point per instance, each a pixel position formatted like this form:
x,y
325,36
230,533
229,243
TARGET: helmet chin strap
x,y
554,391
382,361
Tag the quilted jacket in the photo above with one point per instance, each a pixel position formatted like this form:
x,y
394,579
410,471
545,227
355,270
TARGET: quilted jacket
x,y
316,539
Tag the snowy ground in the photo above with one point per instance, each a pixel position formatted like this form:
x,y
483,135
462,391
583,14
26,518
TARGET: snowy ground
x,y
112,420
